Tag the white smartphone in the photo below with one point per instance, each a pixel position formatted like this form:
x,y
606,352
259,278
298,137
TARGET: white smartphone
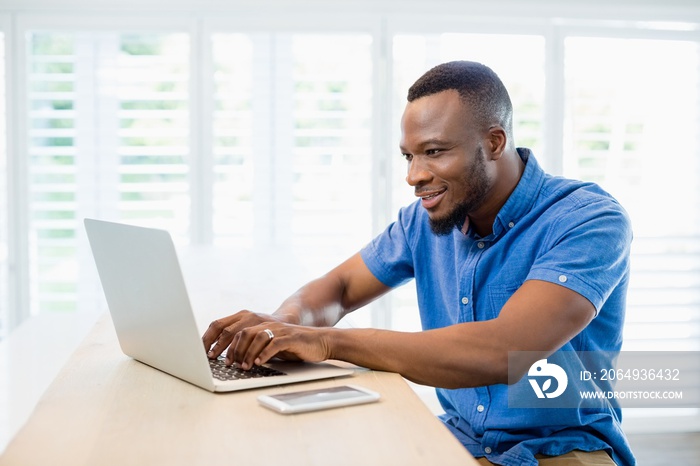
x,y
322,398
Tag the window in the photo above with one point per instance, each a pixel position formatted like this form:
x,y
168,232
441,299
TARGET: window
x,y
233,132
153,154
291,154
292,142
108,136
331,155
632,126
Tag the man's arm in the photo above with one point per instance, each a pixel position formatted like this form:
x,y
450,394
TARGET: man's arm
x,y
320,303
539,317
324,301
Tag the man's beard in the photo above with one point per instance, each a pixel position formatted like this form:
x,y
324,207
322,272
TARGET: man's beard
x,y
478,182
444,226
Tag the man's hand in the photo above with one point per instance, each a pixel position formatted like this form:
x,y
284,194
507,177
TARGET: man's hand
x,y
245,336
255,346
221,332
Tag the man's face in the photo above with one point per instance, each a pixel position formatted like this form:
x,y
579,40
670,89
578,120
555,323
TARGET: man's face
x,y
446,162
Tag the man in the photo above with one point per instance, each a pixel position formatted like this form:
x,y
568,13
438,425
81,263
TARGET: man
x,y
505,258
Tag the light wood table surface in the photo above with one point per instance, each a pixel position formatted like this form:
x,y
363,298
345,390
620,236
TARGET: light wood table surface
x,y
107,409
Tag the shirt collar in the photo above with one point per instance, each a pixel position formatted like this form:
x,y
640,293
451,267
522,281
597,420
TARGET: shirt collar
x,y
523,196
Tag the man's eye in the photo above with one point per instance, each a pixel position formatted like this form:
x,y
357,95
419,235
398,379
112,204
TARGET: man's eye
x,y
408,157
432,151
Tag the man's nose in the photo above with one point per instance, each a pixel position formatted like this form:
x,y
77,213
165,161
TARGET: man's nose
x,y
417,173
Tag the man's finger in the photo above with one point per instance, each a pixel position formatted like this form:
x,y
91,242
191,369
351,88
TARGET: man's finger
x,y
215,328
261,341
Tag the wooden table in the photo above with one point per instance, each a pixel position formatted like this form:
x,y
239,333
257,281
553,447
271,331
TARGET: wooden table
x,y
107,409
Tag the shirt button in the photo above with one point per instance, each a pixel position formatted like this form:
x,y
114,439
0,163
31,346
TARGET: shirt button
x,y
465,300
487,450
480,245
562,278
511,225
480,408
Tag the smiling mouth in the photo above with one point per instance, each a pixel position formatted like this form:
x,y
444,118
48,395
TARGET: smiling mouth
x,y
431,199
425,194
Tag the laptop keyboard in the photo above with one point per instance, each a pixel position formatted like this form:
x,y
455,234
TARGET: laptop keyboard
x,y
222,372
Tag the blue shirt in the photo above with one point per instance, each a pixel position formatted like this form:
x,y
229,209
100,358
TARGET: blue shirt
x,y
554,229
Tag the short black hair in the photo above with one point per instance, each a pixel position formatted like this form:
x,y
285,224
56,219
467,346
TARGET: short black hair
x,y
479,87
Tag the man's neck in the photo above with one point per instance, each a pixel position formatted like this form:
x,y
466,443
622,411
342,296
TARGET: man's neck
x,y
508,177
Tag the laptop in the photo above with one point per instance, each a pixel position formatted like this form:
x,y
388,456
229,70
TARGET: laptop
x,y
153,318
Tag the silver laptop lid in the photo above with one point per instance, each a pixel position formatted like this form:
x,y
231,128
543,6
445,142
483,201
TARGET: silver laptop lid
x,y
148,300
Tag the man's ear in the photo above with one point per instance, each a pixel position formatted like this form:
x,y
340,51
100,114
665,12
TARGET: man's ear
x,y
497,141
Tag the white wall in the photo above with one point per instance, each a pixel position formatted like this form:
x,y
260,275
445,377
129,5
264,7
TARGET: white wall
x,y
674,10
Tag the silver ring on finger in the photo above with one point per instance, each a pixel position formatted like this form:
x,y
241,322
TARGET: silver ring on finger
x,y
269,333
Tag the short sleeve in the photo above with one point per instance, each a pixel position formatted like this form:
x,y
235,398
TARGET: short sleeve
x,y
588,251
389,256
